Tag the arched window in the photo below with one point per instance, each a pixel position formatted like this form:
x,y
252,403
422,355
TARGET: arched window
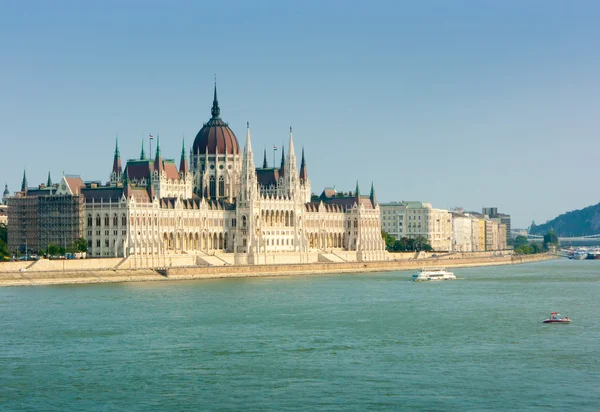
x,y
243,221
90,220
115,220
106,220
123,220
212,189
221,186
98,221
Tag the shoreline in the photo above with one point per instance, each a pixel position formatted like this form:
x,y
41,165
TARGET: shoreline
x,y
46,278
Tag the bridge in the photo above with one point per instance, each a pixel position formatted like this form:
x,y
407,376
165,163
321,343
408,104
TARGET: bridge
x,y
573,239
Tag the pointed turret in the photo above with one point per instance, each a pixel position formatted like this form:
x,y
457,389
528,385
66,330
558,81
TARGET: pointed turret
x,y
357,193
143,153
116,169
372,196
6,194
282,165
183,163
303,172
158,162
215,111
49,181
248,181
24,182
265,164
291,168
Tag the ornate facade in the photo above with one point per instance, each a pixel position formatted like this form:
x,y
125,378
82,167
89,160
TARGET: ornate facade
x,y
218,209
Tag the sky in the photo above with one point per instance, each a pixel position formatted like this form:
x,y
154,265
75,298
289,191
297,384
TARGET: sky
x,y
455,103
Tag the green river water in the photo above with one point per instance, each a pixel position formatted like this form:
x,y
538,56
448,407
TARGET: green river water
x,y
326,342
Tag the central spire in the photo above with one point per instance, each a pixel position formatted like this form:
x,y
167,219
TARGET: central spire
x,y
215,111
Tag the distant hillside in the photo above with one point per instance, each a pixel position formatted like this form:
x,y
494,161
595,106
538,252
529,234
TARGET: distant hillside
x,y
576,223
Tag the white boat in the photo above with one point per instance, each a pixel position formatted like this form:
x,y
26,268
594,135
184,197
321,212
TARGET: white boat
x,y
433,274
580,254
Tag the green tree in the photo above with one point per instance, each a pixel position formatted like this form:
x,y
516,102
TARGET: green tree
x,y
387,238
3,233
53,249
550,238
537,247
520,241
4,253
81,245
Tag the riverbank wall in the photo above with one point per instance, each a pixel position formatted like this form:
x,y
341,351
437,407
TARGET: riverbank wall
x,y
107,270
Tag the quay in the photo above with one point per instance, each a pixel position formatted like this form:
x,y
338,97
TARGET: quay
x,y
108,271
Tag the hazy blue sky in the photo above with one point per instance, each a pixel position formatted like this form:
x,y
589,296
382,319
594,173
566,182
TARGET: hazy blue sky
x,y
458,103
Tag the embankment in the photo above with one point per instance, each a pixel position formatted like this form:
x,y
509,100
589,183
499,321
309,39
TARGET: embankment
x,y
11,277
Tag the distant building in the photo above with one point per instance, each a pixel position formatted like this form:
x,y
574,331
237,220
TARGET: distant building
x,y
4,214
418,219
38,217
492,213
392,218
462,232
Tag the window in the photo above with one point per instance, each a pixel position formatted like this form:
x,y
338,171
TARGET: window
x,y
89,220
97,220
212,189
106,220
115,220
97,242
221,186
106,243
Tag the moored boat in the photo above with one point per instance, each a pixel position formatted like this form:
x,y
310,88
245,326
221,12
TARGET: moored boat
x,y
580,254
556,318
593,254
433,274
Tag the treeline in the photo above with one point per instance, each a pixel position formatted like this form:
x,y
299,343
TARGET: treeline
x,y
524,247
4,255
405,244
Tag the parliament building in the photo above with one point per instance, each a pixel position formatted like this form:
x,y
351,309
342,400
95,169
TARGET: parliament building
x,y
216,208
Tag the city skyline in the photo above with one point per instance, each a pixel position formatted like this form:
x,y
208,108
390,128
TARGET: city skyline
x,y
457,104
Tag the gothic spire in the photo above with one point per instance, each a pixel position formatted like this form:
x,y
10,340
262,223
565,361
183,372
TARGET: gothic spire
x,y
215,111
282,165
24,182
143,154
357,191
372,195
157,146
158,163
49,182
183,164
248,180
265,164
116,169
303,173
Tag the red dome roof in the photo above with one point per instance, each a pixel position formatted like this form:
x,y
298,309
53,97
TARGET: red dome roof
x,y
216,135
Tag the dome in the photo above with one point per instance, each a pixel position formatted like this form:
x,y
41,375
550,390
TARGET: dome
x,y
216,135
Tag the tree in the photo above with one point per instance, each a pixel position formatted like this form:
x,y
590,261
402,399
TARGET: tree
x,y
520,241
550,238
81,245
387,238
3,233
4,253
53,249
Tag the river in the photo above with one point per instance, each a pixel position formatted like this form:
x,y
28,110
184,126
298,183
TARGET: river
x,y
333,342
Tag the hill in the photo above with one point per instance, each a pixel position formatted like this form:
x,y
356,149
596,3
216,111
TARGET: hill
x,y
582,222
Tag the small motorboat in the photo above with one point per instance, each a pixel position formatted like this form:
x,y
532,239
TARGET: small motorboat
x,y
556,318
